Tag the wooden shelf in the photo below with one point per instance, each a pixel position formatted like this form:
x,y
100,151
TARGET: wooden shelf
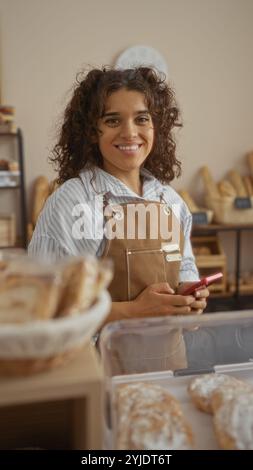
x,y
220,227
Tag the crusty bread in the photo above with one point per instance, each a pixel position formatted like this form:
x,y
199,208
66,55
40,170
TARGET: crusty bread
x,y
228,391
233,423
226,188
188,200
202,388
250,162
248,185
79,286
210,185
237,182
25,298
148,417
41,193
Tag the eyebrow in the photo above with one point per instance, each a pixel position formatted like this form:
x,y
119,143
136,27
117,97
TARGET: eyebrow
x,y
144,111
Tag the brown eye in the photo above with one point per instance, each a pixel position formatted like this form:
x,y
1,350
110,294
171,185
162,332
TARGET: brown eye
x,y
112,122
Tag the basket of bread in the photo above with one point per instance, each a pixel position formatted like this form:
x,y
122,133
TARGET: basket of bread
x,y
200,214
231,200
49,311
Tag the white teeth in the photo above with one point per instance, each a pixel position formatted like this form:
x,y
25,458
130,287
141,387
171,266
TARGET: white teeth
x,y
128,147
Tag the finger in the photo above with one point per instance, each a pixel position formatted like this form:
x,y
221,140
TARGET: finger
x,y
202,293
197,311
185,310
179,300
198,304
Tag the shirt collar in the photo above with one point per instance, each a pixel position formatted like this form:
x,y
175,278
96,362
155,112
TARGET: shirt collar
x,y
104,182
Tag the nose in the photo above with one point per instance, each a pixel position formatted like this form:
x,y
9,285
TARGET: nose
x,y
128,130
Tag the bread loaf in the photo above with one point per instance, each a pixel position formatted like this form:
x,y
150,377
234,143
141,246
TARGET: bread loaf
x,y
210,185
148,417
202,388
227,392
226,188
26,298
188,200
248,185
41,193
233,423
79,286
250,162
237,182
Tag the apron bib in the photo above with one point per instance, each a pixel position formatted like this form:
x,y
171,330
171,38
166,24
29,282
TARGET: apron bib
x,y
146,248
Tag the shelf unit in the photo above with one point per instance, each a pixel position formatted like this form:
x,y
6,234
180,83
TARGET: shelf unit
x,y
235,300
20,187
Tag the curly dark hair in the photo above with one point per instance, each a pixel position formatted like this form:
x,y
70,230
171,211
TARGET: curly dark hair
x,y
77,149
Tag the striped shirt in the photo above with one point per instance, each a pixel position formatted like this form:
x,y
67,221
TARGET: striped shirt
x,y
71,222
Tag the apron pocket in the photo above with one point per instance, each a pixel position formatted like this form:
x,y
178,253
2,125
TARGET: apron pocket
x,y
144,267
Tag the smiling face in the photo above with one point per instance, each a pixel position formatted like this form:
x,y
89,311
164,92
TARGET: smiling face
x,y
126,134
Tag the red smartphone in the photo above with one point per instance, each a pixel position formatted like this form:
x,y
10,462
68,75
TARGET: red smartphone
x,y
204,282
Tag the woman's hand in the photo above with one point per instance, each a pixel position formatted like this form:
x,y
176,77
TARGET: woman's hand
x,y
200,296
160,299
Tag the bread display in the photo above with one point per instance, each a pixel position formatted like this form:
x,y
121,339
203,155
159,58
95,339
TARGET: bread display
x,y
233,423
149,417
202,388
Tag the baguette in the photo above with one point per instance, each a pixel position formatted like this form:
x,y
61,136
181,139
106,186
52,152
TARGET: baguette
x,y
41,193
226,188
209,183
250,162
248,185
237,182
188,200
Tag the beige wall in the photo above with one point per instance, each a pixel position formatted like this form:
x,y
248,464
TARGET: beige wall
x,y
207,43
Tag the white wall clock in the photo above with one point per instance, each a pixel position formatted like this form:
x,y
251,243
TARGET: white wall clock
x,y
142,55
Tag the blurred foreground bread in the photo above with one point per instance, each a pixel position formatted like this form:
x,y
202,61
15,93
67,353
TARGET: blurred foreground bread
x,y
83,280
233,423
25,298
148,417
32,289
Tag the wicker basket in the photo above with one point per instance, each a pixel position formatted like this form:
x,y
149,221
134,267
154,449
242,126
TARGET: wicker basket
x,y
41,345
226,213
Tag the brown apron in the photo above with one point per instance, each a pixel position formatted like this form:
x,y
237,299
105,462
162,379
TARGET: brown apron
x,y
147,249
